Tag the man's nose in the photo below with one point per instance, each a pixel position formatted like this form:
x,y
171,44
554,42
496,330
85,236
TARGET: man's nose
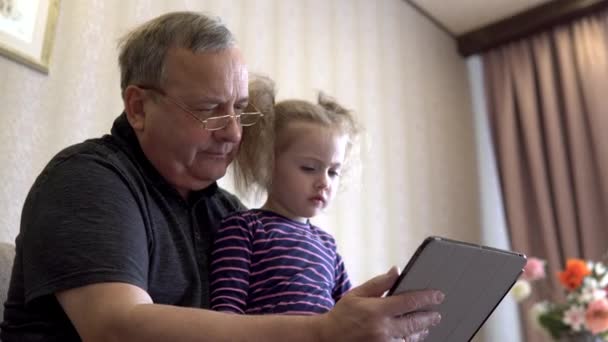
x,y
232,131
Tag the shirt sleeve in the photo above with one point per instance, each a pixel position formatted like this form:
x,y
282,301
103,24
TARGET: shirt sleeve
x,y
342,284
81,224
230,266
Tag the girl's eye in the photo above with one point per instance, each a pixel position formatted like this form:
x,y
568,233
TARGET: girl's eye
x,y
334,173
307,168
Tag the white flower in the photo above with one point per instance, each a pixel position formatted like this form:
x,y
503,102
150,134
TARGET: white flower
x,y
589,295
591,290
600,269
598,294
588,285
575,317
536,311
604,280
590,282
575,297
521,290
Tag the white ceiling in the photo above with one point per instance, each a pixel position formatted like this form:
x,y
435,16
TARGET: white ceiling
x,y
462,16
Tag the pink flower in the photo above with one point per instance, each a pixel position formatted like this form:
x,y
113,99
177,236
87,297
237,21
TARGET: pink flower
x,y
597,316
534,269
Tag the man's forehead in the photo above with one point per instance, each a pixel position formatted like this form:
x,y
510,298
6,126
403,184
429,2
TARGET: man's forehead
x,y
221,75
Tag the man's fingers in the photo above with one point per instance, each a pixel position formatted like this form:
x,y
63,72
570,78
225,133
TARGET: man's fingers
x,y
414,324
376,286
401,316
417,337
411,301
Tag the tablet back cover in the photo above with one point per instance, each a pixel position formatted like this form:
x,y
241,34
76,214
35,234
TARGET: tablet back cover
x,y
474,279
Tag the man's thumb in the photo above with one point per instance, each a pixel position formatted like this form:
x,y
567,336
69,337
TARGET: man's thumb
x,y
376,286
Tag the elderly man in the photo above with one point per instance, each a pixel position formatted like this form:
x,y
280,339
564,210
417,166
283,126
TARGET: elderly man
x,y
115,233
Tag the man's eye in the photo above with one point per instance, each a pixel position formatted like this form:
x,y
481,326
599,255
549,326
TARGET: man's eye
x,y
207,109
204,110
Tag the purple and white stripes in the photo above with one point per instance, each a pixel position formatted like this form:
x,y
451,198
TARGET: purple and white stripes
x,y
265,263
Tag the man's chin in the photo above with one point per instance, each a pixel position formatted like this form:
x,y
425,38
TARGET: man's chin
x,y
209,169
212,175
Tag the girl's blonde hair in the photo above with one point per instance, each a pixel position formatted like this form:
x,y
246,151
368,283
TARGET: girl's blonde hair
x,y
254,162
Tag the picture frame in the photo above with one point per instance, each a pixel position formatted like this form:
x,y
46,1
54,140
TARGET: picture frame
x,y
27,31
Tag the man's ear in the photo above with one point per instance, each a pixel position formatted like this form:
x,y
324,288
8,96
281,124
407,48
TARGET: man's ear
x,y
134,106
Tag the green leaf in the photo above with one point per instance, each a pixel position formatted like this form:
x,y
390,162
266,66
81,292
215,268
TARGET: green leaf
x,y
552,322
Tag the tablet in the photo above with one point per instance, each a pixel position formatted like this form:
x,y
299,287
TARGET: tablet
x,y
473,278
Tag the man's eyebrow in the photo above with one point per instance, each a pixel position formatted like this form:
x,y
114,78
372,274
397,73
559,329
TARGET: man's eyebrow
x,y
206,99
218,100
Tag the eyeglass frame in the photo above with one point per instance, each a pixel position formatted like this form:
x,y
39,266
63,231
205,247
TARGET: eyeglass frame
x,y
191,112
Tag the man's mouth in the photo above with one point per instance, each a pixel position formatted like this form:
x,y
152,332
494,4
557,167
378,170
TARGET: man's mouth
x,y
220,152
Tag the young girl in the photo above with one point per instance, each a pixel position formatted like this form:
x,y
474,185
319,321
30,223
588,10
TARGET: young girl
x,y
272,259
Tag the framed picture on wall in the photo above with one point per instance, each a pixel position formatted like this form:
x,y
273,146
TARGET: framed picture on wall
x,y
27,29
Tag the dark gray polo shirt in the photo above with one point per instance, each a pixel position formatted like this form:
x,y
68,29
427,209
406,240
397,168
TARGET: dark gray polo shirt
x,y
99,212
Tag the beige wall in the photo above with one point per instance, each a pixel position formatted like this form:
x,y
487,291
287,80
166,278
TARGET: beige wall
x,y
399,72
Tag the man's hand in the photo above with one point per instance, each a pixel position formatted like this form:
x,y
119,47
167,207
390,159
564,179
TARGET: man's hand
x,y
362,315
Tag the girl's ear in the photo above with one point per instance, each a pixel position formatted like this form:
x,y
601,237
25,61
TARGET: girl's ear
x,y
133,100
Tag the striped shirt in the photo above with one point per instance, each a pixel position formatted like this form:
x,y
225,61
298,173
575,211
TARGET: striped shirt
x,y
265,263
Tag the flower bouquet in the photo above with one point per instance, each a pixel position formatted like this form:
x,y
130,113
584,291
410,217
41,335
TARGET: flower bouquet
x,y
584,313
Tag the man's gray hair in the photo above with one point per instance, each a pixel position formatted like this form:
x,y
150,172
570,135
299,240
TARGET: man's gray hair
x,y
143,50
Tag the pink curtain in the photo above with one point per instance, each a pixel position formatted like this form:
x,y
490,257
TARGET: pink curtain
x,y
548,107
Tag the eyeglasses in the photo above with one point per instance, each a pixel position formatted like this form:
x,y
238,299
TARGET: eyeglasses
x,y
212,123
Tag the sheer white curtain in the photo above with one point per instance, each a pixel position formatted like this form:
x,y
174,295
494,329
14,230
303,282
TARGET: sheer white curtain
x,y
400,73
504,324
